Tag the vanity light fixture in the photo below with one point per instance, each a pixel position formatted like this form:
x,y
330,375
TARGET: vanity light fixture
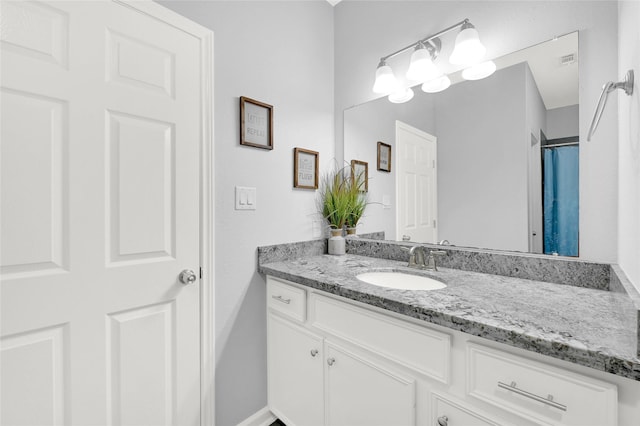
x,y
436,85
385,80
421,67
401,96
468,51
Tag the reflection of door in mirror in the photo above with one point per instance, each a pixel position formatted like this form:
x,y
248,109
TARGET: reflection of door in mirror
x,y
535,195
416,185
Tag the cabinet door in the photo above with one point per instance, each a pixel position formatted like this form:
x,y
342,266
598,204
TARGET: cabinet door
x,y
295,373
360,392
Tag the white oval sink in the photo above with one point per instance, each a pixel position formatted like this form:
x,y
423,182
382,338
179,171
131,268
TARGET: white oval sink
x,y
400,281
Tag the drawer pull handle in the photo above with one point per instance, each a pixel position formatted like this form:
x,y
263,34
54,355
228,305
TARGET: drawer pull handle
x,y
549,400
443,421
331,361
314,352
282,299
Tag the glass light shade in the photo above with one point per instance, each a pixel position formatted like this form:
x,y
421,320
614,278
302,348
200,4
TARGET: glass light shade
x,y
421,67
385,80
401,96
479,71
468,49
436,85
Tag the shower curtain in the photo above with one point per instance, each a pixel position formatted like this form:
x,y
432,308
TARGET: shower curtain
x,y
561,200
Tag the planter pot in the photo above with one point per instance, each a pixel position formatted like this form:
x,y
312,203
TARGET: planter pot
x,y
351,233
336,243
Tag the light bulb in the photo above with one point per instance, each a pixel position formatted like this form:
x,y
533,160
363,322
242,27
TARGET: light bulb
x,y
468,49
436,85
385,80
479,71
421,67
401,96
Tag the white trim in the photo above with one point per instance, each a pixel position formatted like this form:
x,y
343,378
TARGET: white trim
x,y
207,211
263,417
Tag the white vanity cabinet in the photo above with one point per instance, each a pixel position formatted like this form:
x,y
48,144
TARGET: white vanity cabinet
x,y
312,378
333,361
295,373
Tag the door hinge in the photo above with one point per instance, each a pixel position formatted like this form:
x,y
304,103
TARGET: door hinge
x,y
201,272
434,223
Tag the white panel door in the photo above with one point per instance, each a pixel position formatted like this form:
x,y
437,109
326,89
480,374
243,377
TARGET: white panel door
x,y
416,185
100,213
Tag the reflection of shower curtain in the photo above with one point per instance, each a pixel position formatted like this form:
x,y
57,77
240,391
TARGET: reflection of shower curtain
x,y
561,200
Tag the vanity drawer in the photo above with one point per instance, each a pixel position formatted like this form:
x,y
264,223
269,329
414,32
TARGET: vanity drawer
x,y
286,299
445,411
418,348
537,391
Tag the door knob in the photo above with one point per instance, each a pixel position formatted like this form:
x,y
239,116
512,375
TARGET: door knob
x,y
443,421
188,276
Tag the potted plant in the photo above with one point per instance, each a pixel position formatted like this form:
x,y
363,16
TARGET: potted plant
x,y
341,202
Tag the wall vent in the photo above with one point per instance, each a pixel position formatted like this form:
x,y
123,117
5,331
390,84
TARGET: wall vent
x,y
568,59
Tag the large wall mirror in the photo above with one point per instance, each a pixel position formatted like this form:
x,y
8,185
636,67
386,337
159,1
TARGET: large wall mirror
x,y
491,163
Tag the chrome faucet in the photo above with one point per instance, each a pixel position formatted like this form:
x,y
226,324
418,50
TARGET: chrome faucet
x,y
418,258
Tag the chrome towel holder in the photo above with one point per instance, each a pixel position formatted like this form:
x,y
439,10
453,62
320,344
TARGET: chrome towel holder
x,y
626,85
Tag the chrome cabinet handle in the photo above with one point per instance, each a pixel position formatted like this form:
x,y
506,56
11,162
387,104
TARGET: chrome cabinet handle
x,y
188,276
281,299
548,400
314,352
331,361
443,421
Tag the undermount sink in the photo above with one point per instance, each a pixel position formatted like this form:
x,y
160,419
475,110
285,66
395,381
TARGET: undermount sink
x,y
400,281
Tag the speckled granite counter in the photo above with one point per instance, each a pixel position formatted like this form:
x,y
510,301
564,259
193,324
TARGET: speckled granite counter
x,y
586,326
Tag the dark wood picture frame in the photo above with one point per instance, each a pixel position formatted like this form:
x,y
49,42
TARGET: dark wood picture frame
x,y
305,168
384,157
256,123
358,167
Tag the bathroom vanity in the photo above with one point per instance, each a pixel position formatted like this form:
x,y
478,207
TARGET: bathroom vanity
x,y
485,350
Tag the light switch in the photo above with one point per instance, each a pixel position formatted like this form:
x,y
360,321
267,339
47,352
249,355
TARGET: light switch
x,y
386,202
245,198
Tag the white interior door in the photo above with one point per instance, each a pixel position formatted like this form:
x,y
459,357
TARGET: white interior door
x,y
416,185
100,196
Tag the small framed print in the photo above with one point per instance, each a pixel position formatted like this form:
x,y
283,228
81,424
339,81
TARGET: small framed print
x,y
360,171
305,168
256,123
384,157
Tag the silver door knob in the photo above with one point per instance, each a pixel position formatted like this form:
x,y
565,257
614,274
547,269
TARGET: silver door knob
x,y
331,361
188,276
443,421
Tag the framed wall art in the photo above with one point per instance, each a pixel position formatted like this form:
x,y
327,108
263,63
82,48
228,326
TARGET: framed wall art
x,y
305,168
256,123
360,170
384,157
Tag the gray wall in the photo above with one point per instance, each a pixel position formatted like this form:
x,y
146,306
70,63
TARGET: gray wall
x,y
280,53
562,122
629,113
367,30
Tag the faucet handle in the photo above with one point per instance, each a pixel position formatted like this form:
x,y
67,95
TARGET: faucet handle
x,y
431,261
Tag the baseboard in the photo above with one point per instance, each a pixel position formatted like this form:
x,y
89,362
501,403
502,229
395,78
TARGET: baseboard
x,y
263,417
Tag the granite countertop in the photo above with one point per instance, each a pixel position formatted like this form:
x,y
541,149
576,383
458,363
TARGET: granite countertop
x,y
589,327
